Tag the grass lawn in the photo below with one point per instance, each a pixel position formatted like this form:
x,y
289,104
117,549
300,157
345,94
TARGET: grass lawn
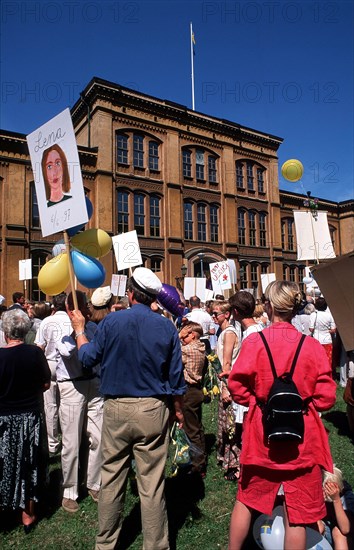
x,y
199,511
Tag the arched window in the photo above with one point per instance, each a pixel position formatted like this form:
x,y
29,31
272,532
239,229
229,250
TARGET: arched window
x,y
39,258
201,219
252,228
139,213
138,151
154,216
212,169
199,164
122,149
260,180
254,275
123,212
262,219
241,226
187,163
153,155
250,178
239,175
188,220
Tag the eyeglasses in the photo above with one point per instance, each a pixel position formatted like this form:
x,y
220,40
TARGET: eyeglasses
x,y
217,313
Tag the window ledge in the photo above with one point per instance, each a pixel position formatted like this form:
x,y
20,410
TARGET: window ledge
x,y
125,165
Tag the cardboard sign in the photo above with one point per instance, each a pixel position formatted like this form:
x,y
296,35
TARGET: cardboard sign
x,y
118,284
57,175
194,286
312,236
25,270
126,250
220,276
266,278
335,279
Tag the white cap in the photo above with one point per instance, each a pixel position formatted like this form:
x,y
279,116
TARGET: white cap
x,y
101,296
147,281
2,299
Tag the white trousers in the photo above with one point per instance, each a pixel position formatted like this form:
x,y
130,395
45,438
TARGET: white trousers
x,y
81,406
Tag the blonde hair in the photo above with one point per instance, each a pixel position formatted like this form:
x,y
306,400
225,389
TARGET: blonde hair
x,y
284,296
336,477
258,311
223,305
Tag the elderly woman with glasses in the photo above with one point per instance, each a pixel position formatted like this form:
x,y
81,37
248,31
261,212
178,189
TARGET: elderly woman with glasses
x,y
288,467
24,375
228,344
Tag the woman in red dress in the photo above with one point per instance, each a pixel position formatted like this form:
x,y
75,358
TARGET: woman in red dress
x,y
296,467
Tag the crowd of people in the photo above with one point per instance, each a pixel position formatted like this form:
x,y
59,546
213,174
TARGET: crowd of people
x,y
121,372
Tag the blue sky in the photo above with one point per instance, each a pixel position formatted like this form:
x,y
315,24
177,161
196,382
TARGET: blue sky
x,y
285,68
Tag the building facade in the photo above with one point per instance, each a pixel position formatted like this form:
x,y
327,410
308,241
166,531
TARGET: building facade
x,y
197,189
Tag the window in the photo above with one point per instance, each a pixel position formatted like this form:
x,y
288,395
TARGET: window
x,y
254,276
262,229
264,269
289,224
292,273
214,224
332,232
260,180
239,175
285,272
139,216
34,207
123,212
250,182
138,151
252,228
201,218
155,264
154,216
153,155
38,261
243,276
187,164
199,164
188,220
122,149
241,226
301,274
212,169
283,234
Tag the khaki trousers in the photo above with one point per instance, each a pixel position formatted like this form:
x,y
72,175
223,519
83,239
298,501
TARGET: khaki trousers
x,y
80,403
134,428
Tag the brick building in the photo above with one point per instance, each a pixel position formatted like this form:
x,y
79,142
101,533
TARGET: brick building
x,y
197,189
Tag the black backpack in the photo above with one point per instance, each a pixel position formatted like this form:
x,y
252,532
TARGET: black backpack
x,y
283,412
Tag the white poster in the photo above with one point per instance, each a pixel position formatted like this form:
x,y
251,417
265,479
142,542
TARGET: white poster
x,y
118,284
220,276
266,278
57,175
312,236
25,270
194,286
232,270
127,251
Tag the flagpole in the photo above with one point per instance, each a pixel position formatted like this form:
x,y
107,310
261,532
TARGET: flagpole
x,y
192,65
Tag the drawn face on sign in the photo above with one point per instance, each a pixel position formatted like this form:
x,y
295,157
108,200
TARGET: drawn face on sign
x,y
55,174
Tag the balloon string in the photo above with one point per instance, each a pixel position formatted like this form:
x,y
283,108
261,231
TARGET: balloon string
x,y
71,270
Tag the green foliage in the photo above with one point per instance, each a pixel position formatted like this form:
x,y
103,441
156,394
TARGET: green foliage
x,y
199,511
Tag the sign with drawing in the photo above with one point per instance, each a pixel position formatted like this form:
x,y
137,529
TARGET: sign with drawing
x,y
126,250
57,175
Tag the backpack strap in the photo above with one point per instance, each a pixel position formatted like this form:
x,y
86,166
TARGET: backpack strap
x,y
293,364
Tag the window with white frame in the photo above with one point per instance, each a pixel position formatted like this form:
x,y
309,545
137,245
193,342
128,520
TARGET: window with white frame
x,y
138,151
241,215
252,231
139,213
154,216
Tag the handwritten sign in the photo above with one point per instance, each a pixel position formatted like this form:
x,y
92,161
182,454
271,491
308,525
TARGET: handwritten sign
x,y
126,250
220,276
57,175
25,270
118,284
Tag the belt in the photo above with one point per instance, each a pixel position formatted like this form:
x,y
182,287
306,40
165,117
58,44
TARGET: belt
x,y
79,378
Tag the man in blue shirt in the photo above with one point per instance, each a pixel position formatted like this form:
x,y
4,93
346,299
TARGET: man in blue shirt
x,y
141,374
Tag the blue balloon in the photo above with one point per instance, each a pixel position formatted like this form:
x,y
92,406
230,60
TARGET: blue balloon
x,y
73,230
89,271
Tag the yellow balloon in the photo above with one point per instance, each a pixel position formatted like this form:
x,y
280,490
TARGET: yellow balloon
x,y
54,276
292,170
93,242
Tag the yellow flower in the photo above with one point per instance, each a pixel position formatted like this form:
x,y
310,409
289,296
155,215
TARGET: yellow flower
x,y
216,390
205,391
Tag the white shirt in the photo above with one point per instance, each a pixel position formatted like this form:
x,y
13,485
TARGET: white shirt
x,y
202,317
322,322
